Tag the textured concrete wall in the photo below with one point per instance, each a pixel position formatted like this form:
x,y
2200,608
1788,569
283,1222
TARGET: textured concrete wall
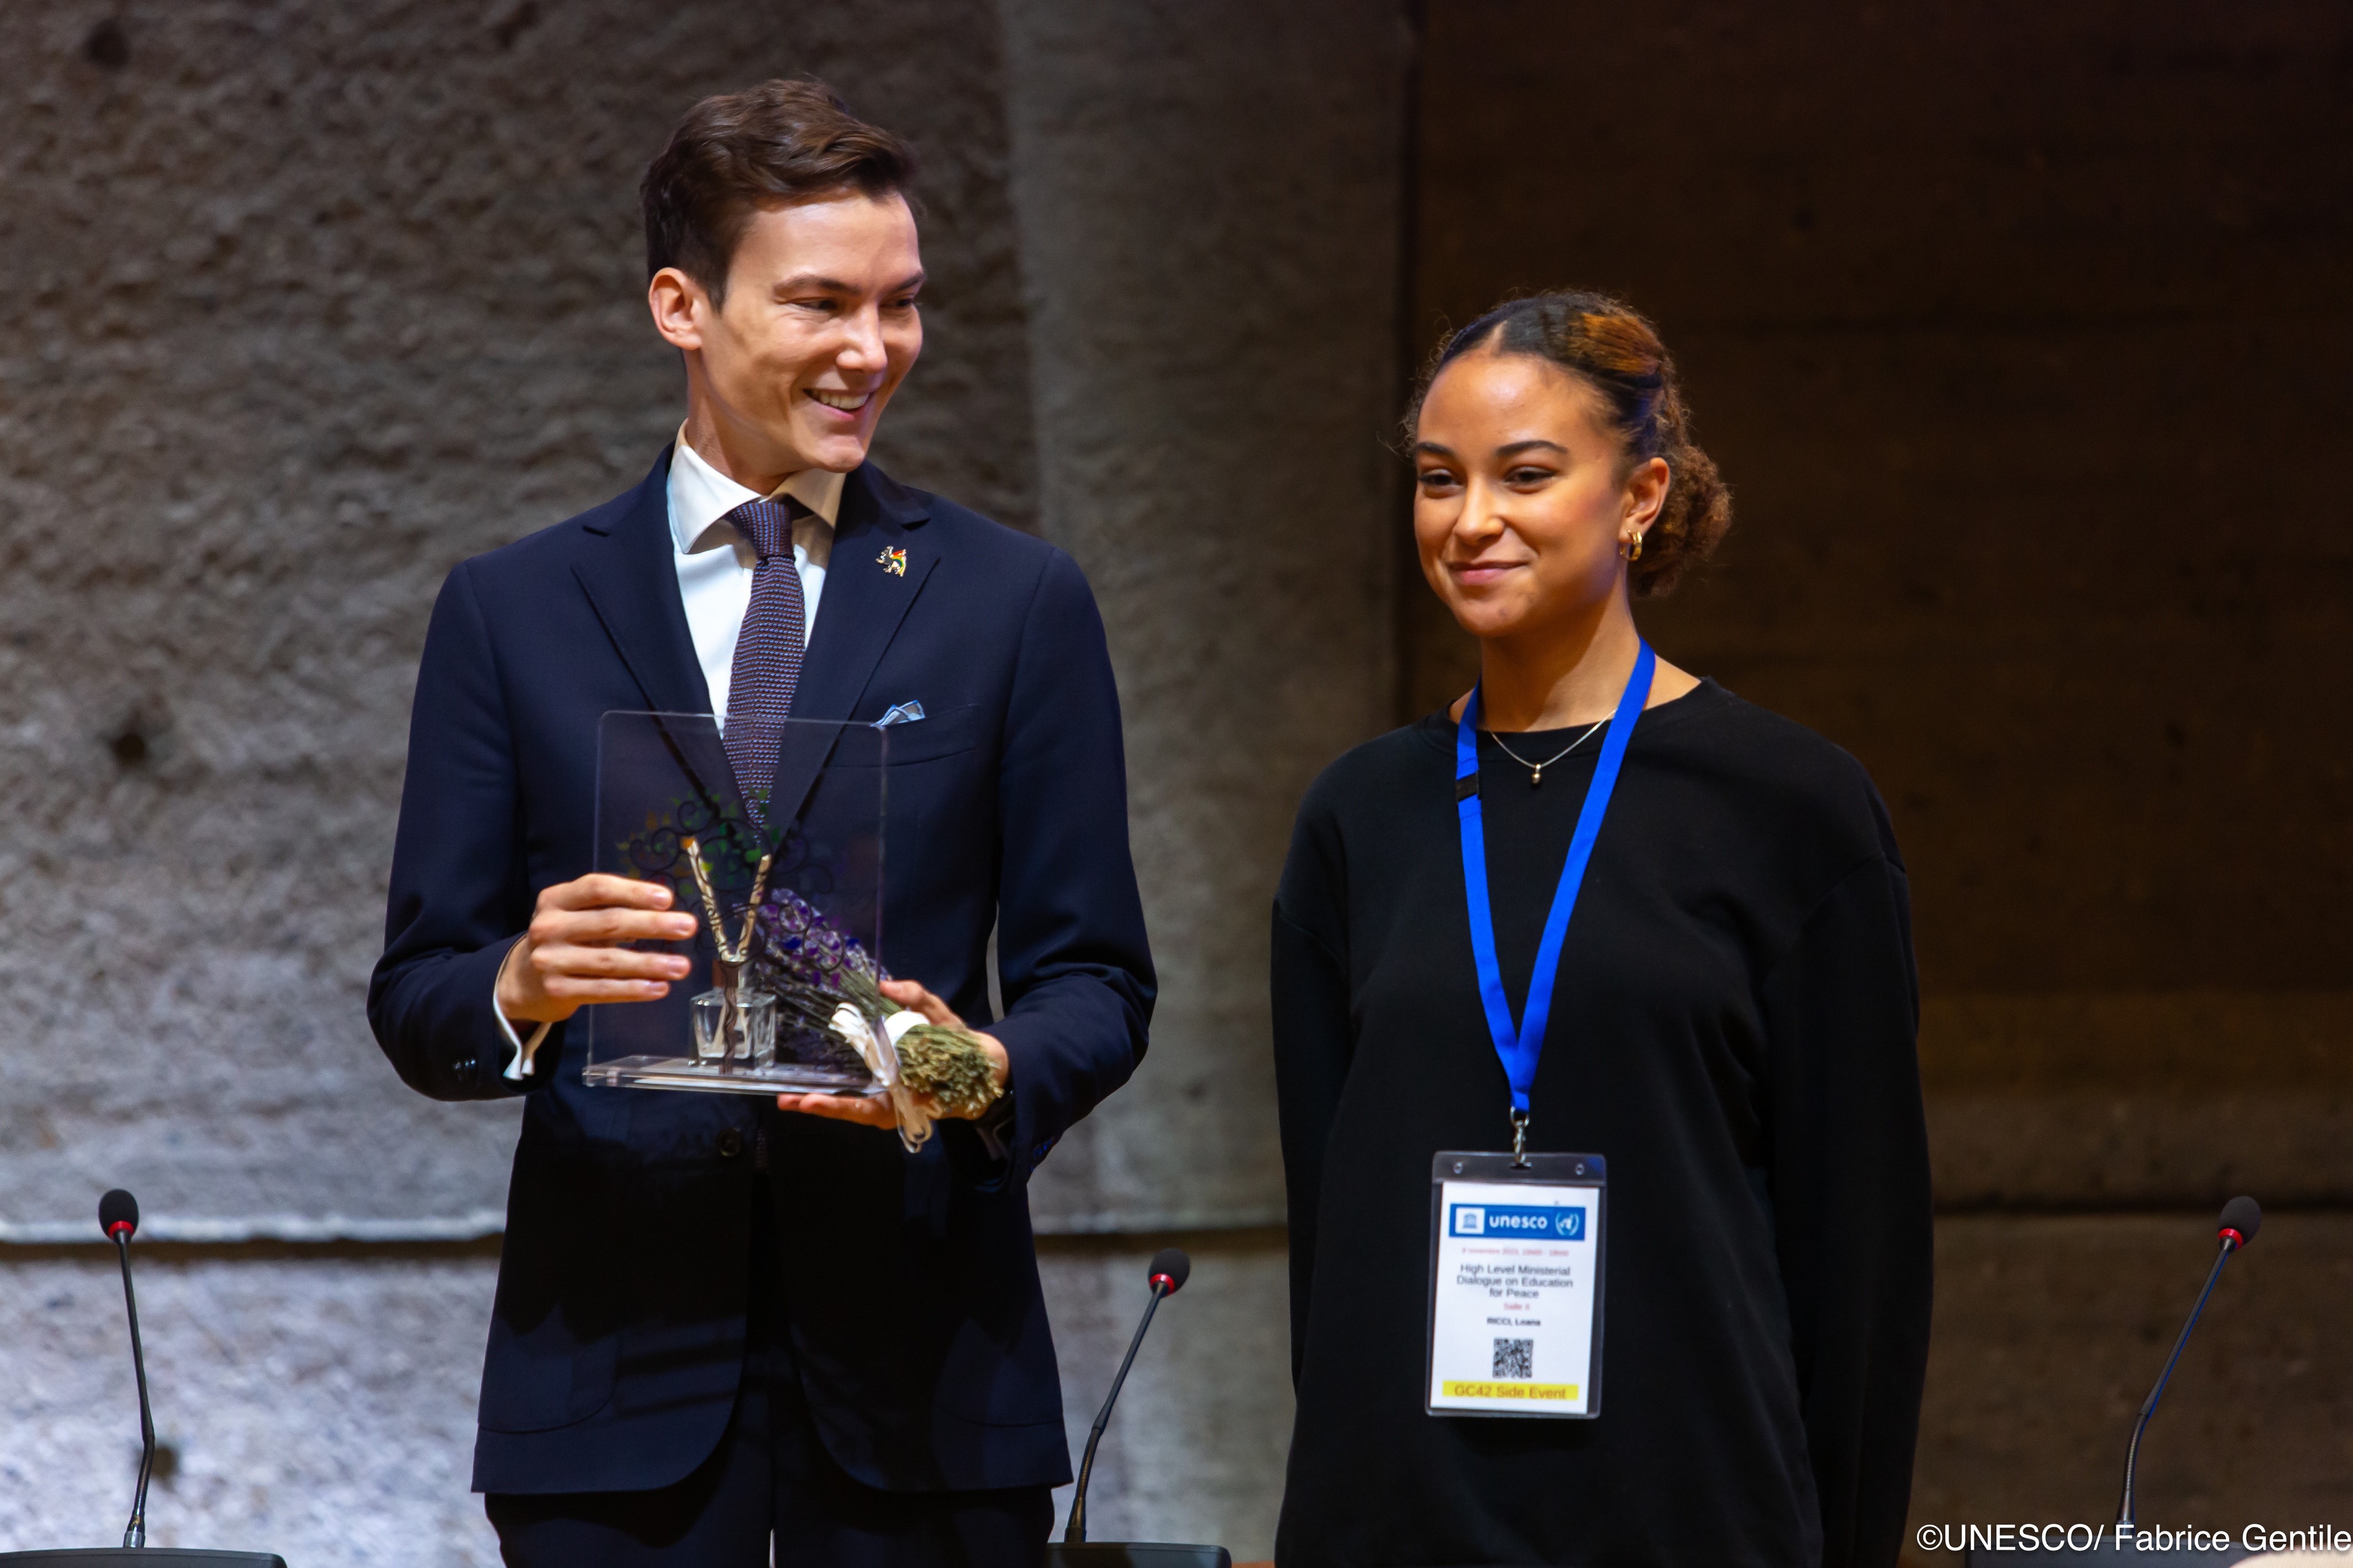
x,y
311,1402
315,302
1208,198
2016,332
2020,333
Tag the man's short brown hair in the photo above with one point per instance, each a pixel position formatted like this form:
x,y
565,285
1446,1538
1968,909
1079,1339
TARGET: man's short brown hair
x,y
770,145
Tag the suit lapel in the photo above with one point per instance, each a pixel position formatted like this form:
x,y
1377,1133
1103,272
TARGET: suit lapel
x,y
866,598
629,577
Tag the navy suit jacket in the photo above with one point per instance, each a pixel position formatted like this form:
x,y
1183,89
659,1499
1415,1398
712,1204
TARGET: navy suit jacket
x,y
617,1341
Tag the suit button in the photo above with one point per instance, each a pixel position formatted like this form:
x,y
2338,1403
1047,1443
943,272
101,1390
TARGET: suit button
x,y
731,1144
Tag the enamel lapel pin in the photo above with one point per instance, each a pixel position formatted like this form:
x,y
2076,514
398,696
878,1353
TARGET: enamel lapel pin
x,y
894,562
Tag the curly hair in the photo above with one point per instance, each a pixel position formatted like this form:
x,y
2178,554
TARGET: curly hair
x,y
1613,349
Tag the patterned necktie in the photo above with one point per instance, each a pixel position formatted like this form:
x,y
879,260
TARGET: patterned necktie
x,y
768,650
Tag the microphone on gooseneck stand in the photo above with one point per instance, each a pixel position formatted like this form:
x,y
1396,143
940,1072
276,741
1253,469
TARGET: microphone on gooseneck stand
x,y
1167,1273
118,1215
2242,1217
1170,1268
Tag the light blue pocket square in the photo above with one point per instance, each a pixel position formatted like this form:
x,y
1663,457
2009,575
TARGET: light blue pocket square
x,y
903,713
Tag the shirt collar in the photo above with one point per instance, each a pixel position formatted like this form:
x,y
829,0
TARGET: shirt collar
x,y
700,495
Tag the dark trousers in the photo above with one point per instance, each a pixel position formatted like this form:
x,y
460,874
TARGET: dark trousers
x,y
772,1474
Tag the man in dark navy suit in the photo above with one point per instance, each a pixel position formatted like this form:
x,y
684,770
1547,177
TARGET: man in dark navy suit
x,y
719,1320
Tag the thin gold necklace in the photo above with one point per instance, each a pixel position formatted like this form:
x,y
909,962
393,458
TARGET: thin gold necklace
x,y
1535,770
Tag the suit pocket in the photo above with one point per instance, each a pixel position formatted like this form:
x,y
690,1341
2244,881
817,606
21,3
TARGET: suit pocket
x,y
947,733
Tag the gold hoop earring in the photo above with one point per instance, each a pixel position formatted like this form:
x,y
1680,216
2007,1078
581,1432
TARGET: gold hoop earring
x,y
1634,552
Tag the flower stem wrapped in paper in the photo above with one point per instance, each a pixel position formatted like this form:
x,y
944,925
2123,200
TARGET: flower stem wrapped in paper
x,y
827,982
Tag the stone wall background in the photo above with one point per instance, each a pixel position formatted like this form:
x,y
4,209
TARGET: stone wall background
x,y
1209,211
2017,330
311,303
314,302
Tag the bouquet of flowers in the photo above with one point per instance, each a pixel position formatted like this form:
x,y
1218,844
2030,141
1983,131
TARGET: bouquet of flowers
x,y
829,984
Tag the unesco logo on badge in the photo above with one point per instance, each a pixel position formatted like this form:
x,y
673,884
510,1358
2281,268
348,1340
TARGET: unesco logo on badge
x,y
1550,1223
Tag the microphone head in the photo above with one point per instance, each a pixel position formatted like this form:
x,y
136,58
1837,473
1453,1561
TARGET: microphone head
x,y
2242,1217
1171,1267
117,1213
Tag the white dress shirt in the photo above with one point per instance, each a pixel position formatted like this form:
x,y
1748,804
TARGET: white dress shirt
x,y
714,564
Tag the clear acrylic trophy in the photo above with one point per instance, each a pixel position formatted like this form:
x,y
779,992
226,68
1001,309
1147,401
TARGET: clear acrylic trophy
x,y
787,892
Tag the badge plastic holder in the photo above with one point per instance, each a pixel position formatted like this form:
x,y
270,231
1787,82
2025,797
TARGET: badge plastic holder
x,y
1515,1326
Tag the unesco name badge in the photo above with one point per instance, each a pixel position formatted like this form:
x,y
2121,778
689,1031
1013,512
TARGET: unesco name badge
x,y
1515,1286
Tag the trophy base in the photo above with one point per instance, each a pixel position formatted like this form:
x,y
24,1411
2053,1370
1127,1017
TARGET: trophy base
x,y
712,1077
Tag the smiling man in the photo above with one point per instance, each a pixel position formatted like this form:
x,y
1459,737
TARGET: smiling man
x,y
724,1328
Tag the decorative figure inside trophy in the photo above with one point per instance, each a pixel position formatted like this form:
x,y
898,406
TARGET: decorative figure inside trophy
x,y
734,1024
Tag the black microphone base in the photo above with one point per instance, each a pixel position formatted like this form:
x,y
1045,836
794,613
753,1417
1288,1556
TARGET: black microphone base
x,y
137,1556
1129,1554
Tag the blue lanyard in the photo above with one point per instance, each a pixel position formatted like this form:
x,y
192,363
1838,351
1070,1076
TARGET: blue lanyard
x,y
1519,1048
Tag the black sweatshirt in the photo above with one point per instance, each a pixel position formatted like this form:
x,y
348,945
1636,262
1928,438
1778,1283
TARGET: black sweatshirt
x,y
1733,1027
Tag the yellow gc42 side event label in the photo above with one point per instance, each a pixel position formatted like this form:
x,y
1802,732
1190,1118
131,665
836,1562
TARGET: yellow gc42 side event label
x,y
1560,1391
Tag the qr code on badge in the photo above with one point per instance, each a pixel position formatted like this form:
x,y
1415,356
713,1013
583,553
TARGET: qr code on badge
x,y
1515,1358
